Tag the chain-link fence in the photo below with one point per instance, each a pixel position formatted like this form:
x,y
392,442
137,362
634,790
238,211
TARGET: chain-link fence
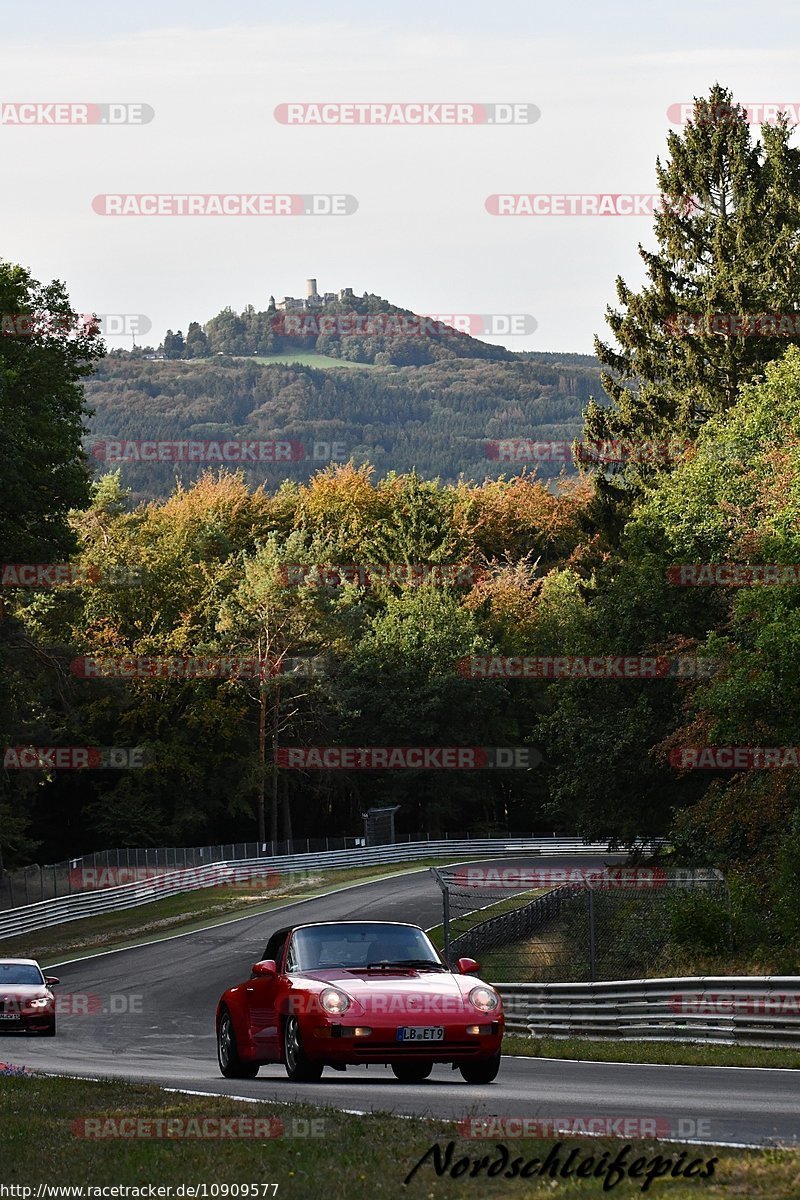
x,y
579,924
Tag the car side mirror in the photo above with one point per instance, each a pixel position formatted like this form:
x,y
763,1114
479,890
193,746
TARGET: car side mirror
x,y
468,966
51,980
266,969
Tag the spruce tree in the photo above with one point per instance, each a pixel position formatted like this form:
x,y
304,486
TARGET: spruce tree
x,y
727,263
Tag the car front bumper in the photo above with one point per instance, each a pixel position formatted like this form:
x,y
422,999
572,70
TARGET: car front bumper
x,y
369,1041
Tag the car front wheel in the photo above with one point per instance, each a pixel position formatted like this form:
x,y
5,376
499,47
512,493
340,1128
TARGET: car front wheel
x,y
230,1064
483,1071
299,1067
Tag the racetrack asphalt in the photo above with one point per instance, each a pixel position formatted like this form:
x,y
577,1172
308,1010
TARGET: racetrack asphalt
x,y
151,1019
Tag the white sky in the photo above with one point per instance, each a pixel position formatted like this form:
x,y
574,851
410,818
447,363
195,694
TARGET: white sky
x,y
602,76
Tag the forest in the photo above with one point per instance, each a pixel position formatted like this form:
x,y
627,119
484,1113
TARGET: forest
x,y
602,564
438,419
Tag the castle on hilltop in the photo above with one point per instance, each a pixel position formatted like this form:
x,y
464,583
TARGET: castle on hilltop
x,y
312,301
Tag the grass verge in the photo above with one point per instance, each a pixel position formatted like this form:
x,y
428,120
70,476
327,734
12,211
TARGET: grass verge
x,y
181,914
349,1157
666,1053
461,925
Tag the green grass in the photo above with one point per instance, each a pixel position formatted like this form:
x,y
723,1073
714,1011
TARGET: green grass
x,y
608,1050
355,1158
460,925
306,358
180,914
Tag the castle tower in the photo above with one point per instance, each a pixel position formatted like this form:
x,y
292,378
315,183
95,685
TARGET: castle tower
x,y
311,288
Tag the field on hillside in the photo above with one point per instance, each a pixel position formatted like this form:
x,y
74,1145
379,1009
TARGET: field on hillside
x,y
304,358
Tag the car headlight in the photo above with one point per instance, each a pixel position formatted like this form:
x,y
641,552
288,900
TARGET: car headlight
x,y
334,1001
39,1002
484,999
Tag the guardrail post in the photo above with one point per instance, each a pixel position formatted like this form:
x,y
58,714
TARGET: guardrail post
x,y
446,921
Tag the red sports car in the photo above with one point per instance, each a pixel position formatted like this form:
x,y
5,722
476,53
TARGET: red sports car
x,y
346,993
26,1003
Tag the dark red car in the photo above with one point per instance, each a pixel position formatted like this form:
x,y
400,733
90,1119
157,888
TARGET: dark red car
x,y
347,993
26,1003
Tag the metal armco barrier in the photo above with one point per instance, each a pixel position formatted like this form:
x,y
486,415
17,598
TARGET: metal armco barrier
x,y
759,1010
30,917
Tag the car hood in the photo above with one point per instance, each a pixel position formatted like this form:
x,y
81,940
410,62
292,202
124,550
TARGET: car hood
x,y
401,991
23,991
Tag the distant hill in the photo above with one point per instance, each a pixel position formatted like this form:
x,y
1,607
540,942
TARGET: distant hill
x,y
440,414
366,329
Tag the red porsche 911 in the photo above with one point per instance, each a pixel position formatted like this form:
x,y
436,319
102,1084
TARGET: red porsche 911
x,y
347,993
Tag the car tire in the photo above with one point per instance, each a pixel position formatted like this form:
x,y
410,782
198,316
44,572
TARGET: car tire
x,y
299,1067
230,1064
411,1072
482,1071
50,1031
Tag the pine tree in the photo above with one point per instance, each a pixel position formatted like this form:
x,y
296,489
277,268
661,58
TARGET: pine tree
x,y
728,230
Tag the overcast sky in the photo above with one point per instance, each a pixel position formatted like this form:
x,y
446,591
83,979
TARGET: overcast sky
x,y
602,76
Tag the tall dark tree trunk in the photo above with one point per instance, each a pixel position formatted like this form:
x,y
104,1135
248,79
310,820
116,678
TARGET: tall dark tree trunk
x,y
262,730
276,711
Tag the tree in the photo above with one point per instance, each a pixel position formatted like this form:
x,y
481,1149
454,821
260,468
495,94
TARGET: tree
x,y
173,344
263,620
728,234
196,342
45,351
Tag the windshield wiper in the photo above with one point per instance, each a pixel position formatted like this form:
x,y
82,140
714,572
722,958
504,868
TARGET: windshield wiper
x,y
427,963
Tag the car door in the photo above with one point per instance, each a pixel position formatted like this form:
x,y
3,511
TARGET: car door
x,y
262,1002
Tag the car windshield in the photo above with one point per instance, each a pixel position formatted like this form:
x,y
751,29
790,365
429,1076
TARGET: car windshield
x,y
365,944
19,973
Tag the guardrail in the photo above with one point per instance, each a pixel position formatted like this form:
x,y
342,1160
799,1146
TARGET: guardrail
x,y
757,1010
45,913
48,881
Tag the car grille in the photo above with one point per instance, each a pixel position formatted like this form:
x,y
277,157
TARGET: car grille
x,y
364,1047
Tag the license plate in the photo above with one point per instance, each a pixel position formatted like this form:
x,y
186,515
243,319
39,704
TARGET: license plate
x,y
9,1017
421,1033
